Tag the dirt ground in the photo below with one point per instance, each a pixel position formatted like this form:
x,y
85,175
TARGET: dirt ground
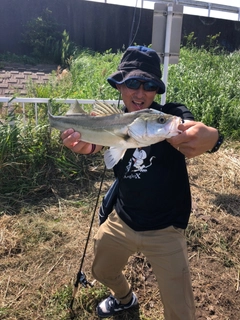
x,y
41,248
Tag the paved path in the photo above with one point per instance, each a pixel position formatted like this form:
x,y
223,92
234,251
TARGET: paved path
x,y
14,77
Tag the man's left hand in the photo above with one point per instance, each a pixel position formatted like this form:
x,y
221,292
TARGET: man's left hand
x,y
195,139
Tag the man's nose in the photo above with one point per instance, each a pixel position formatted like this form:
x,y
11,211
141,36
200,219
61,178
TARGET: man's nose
x,y
140,91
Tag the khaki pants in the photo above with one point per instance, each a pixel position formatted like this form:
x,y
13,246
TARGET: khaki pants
x,y
166,251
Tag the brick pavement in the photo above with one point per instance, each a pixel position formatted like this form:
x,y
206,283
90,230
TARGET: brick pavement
x,y
15,77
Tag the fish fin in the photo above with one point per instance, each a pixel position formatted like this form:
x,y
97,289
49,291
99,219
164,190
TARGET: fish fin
x,y
112,156
104,108
75,109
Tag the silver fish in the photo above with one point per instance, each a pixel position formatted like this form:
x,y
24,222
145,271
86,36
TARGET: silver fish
x,y
110,127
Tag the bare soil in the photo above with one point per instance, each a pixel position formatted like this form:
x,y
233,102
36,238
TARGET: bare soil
x,y
41,247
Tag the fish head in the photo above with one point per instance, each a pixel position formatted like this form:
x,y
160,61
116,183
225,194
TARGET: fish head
x,y
154,127
167,126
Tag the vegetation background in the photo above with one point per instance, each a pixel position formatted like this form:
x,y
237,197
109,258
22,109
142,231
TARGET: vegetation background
x,y
48,194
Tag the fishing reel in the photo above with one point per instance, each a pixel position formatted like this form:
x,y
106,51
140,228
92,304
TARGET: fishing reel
x,y
83,280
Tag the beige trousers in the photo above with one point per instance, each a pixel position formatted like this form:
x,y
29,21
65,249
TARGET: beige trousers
x,y
166,251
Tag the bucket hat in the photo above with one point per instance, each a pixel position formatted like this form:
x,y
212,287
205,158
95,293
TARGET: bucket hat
x,y
138,62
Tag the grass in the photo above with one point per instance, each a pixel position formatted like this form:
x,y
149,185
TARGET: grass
x,y
42,246
48,195
31,157
211,92
203,80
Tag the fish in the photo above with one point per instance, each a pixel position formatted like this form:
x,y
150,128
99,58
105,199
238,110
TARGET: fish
x,y
109,126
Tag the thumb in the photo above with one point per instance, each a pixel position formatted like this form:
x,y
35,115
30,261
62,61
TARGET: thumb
x,y
186,125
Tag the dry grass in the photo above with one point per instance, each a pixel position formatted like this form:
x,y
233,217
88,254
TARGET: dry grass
x,y
41,248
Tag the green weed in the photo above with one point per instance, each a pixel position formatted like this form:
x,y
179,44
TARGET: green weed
x,y
206,83
33,157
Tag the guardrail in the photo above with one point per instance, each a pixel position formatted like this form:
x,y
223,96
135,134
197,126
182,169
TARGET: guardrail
x,y
10,102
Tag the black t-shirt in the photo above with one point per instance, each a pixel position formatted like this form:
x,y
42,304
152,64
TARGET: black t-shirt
x,y
154,190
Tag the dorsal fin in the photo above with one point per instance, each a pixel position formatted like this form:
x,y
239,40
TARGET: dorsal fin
x,y
104,108
75,108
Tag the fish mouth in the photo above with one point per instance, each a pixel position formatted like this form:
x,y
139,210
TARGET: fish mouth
x,y
171,128
174,126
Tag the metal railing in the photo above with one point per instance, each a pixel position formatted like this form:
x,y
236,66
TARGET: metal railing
x,y
9,103
200,4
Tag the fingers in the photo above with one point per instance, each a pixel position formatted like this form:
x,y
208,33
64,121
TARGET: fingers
x,y
66,133
188,151
71,134
179,140
188,133
195,139
186,125
72,140
187,143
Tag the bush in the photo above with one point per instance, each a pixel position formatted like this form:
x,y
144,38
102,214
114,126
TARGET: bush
x,y
206,83
45,42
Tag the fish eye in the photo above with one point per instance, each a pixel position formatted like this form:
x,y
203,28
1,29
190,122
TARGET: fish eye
x,y
161,120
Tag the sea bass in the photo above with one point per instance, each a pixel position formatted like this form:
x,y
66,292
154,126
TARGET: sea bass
x,y
111,127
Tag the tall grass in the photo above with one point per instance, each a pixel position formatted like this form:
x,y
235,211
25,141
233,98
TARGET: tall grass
x,y
33,161
208,83
86,78
205,81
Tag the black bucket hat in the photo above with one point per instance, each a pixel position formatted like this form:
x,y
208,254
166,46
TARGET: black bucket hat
x,y
139,62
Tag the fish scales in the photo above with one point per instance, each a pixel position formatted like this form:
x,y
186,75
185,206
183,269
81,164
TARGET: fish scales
x,y
119,131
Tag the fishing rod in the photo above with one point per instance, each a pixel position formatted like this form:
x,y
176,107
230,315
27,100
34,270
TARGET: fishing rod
x,y
132,36
81,277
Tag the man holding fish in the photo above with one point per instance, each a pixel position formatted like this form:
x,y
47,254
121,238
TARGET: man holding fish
x,y
153,202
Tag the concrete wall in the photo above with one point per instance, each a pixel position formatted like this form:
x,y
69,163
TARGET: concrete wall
x,y
100,26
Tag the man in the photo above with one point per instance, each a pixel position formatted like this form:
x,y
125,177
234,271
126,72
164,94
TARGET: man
x,y
154,202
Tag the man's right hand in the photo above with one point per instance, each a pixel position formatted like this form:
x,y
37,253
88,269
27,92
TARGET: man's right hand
x,y
72,140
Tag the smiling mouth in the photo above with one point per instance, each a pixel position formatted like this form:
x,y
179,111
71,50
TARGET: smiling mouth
x,y
138,105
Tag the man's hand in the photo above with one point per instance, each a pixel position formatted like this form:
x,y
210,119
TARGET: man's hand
x,y
72,140
195,139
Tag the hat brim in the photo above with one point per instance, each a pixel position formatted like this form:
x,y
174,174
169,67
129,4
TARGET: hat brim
x,y
121,76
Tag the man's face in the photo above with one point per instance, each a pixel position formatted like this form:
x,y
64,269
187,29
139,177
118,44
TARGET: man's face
x,y
136,99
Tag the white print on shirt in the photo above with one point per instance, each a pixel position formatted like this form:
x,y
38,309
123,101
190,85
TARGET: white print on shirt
x,y
137,164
